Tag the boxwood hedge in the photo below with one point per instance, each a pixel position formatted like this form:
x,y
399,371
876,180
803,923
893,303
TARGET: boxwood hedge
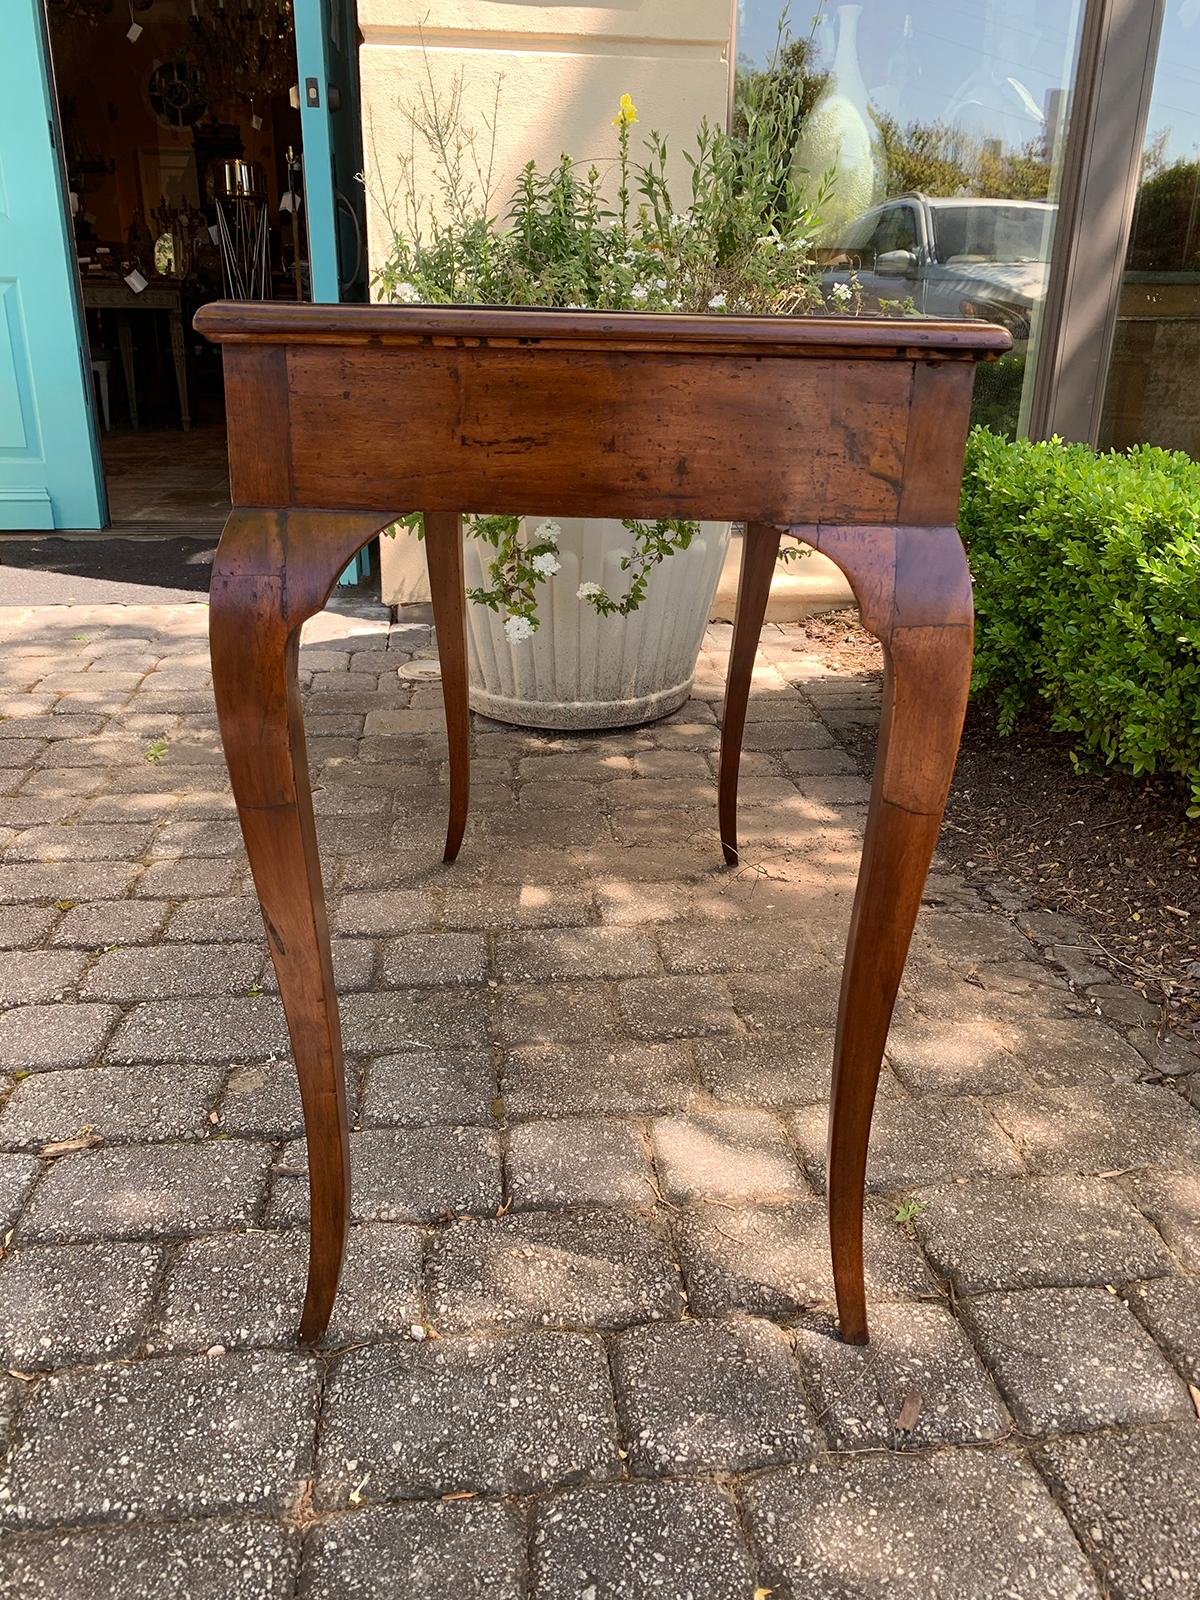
x,y
1087,596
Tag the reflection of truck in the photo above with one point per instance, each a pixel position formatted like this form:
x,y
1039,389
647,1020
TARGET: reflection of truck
x,y
952,258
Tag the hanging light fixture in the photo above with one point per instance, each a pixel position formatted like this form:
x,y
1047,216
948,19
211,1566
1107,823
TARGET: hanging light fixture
x,y
81,10
243,51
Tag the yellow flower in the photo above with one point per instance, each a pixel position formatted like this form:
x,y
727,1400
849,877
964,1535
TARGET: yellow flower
x,y
626,113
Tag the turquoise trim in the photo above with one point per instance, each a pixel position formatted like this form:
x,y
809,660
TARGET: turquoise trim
x,y
49,453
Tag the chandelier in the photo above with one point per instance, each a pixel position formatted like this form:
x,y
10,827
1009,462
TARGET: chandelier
x,y
242,50
80,10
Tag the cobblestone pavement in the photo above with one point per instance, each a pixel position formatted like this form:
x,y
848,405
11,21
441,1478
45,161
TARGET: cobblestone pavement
x,y
587,1069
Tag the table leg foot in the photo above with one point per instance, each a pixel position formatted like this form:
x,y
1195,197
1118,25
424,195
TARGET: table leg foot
x,y
443,555
760,549
914,590
259,597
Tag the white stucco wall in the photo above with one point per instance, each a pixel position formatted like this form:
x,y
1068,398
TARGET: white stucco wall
x,y
564,67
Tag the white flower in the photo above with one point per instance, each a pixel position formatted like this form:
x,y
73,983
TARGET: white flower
x,y
717,301
546,565
548,532
408,294
518,629
639,292
586,591
843,293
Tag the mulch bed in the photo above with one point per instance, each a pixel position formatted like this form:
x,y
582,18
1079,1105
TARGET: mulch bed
x,y
1114,853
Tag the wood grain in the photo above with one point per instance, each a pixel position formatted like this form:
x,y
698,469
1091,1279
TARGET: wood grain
x,y
444,558
848,434
271,571
760,548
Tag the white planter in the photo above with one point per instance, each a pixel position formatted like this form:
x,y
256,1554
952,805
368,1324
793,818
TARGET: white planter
x,y
581,670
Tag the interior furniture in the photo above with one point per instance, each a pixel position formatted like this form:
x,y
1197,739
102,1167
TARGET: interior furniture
x,y
114,294
847,434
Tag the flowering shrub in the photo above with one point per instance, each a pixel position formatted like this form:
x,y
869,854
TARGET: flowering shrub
x,y
738,242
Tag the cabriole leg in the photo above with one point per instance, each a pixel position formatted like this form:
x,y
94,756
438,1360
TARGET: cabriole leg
x,y
760,548
272,570
914,590
443,555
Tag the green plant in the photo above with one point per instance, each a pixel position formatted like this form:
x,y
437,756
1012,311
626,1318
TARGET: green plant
x,y
156,751
907,1213
1087,597
736,241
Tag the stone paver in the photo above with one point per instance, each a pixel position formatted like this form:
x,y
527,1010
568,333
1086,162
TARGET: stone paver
x,y
164,1438
1100,1130
1070,1359
595,1269
579,1161
726,1155
147,1192
918,1383
939,1527
35,977
200,1030
711,1396
1170,1309
246,1289
419,1087
474,1551
1172,1202
40,1038
1020,1233
169,971
584,1344
401,1175
628,1541
112,1103
774,1260
1131,1500
507,1414
792,1069
550,1080
261,1099
209,1560
17,1174
915,1142
63,1304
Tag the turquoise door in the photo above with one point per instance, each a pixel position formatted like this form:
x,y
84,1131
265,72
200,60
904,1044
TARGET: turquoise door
x,y
49,462
327,61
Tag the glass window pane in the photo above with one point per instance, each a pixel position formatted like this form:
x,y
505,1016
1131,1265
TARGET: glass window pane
x,y
1150,397
958,106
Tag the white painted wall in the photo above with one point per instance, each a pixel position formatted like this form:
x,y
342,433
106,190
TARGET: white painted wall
x,y
565,67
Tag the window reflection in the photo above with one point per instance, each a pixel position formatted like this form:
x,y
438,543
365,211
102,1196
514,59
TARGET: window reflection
x,y
940,123
1150,397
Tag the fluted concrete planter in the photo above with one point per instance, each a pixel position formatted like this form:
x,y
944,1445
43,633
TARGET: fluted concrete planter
x,y
581,670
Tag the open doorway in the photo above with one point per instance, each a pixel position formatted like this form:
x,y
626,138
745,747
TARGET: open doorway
x,y
177,123
183,145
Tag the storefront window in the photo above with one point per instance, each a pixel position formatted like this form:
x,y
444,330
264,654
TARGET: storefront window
x,y
1151,393
940,124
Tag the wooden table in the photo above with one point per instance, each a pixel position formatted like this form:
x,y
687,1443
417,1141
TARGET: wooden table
x,y
107,294
847,434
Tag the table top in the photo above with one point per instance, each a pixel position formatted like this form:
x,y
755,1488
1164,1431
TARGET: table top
x,y
242,322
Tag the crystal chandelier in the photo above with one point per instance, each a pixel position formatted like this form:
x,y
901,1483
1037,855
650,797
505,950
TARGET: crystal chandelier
x,y
243,51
